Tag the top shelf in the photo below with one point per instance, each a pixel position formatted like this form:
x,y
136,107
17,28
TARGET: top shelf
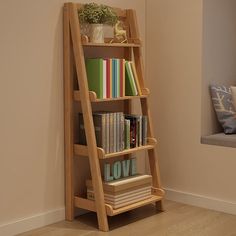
x,y
124,45
132,43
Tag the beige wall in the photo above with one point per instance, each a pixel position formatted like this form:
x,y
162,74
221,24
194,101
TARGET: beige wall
x,y
219,54
174,58
31,101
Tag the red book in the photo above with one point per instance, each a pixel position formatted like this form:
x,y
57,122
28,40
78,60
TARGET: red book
x,y
122,77
108,78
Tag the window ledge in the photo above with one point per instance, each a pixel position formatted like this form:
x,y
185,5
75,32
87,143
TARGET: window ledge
x,y
220,139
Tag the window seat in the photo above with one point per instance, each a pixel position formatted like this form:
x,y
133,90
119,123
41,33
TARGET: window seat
x,y
220,139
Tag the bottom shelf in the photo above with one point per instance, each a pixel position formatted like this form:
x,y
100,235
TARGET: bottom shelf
x,y
90,205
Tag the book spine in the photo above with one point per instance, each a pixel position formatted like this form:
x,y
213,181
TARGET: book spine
x,y
121,78
111,132
132,79
111,77
144,129
114,130
122,128
136,77
104,71
140,130
108,78
127,134
118,131
118,77
123,65
101,78
114,78
132,131
129,88
99,122
107,133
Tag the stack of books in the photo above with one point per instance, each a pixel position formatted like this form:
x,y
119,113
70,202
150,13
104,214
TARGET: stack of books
x,y
112,77
115,131
125,191
132,87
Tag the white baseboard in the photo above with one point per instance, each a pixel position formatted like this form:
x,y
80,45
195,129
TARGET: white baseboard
x,y
201,201
33,222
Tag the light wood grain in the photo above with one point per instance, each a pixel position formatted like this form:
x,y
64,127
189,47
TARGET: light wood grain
x,y
131,51
88,119
82,150
93,97
122,45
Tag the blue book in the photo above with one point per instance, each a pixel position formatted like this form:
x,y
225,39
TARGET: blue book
x,y
118,77
113,78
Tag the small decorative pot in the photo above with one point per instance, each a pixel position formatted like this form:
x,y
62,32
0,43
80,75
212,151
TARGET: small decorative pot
x,y
96,33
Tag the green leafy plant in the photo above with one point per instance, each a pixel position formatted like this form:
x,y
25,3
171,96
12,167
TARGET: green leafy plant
x,y
93,13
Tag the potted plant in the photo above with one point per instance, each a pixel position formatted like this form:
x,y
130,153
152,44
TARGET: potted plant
x,y
96,15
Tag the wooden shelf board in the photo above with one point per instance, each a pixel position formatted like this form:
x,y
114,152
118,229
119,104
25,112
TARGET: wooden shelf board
x,y
90,205
82,150
124,45
93,96
113,212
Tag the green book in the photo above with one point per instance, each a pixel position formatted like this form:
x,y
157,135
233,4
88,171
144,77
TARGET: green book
x,y
129,81
94,69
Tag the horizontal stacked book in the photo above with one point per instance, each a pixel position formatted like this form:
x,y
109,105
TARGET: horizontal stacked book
x,y
124,191
112,77
115,131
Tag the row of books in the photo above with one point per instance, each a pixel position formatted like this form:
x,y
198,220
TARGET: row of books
x,y
112,77
123,192
116,131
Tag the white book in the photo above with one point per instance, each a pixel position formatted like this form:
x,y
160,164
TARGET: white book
x,y
118,131
107,133
122,131
125,196
125,202
104,79
141,198
132,77
111,132
129,199
115,134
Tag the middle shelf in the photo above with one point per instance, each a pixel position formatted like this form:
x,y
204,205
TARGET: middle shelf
x,y
93,96
82,150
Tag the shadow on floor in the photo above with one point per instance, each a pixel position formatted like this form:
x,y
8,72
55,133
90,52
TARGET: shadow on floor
x,y
90,219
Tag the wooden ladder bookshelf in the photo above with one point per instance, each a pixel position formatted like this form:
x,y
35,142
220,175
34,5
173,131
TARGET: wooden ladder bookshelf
x,y
75,77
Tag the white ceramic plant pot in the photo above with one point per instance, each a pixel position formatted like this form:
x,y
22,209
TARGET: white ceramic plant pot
x,y
96,33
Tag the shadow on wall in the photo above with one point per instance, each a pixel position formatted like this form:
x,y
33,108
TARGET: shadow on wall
x,y
55,143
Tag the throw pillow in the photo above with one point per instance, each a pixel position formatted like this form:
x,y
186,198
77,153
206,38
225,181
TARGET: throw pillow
x,y
233,92
222,101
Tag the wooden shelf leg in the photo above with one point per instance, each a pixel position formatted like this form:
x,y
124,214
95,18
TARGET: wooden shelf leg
x,y
88,118
152,154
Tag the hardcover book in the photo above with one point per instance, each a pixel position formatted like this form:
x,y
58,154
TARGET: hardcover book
x,y
94,69
100,132
125,183
130,87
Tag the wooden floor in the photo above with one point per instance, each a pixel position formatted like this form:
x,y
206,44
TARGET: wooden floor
x,y
178,219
